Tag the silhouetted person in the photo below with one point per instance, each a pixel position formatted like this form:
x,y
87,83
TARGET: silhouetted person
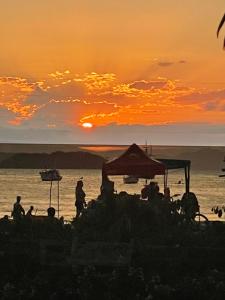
x,y
151,191
5,224
51,212
167,196
166,204
18,211
107,193
158,195
53,225
5,220
29,212
190,206
61,220
107,188
80,198
156,199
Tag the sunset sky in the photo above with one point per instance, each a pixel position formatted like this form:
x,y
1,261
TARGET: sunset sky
x,y
136,70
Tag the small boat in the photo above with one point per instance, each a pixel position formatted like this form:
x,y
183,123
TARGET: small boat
x,y
50,175
129,179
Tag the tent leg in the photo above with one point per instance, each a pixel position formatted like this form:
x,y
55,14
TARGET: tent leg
x,y
165,178
188,187
58,199
187,178
50,195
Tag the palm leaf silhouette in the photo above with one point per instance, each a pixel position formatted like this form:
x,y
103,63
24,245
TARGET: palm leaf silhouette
x,y
219,28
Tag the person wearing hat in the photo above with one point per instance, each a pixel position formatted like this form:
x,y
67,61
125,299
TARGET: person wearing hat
x,y
80,198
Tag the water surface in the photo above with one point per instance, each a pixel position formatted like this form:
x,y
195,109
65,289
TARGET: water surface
x,y
209,188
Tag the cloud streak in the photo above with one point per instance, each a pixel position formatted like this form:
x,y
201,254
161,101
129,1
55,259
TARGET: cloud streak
x,y
64,98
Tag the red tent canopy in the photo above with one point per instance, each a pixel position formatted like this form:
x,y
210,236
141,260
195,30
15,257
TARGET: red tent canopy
x,y
134,161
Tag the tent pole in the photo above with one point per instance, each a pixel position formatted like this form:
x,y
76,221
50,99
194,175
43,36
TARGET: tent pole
x,y
50,196
188,187
186,170
58,199
165,178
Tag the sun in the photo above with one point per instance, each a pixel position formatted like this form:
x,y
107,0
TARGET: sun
x,y
87,125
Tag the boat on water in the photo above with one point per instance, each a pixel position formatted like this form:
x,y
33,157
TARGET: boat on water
x,y
50,175
130,179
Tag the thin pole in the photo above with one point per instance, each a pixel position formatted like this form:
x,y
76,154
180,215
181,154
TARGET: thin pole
x,y
146,151
50,200
165,178
188,178
58,199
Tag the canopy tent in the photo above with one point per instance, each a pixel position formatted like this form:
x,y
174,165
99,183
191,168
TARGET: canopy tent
x,y
172,164
134,161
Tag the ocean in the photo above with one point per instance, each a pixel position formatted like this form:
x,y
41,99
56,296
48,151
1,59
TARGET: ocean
x,y
209,188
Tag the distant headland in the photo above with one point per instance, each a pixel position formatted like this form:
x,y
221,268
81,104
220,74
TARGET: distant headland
x,y
80,156
59,160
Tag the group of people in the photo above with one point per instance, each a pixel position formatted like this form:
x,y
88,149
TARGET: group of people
x,y
18,211
160,202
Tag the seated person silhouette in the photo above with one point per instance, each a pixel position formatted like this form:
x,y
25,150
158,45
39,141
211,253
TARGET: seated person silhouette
x,y
189,205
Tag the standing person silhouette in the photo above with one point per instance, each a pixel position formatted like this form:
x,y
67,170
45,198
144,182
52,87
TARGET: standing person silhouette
x,y
18,211
80,198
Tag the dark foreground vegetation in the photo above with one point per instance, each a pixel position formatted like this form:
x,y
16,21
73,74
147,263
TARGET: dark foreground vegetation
x,y
127,284
165,256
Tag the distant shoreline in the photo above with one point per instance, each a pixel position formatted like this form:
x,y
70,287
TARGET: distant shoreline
x,y
201,157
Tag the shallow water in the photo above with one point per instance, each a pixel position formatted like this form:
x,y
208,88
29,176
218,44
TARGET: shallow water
x,y
209,188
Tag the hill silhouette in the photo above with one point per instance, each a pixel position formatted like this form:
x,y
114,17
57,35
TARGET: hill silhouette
x,y
60,160
204,159
41,155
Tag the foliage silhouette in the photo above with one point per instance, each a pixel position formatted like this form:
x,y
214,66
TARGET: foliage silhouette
x,y
219,28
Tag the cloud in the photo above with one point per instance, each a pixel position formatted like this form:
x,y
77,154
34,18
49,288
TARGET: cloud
x,y
165,63
209,100
59,113
67,99
148,85
37,97
68,90
96,83
6,116
34,135
13,93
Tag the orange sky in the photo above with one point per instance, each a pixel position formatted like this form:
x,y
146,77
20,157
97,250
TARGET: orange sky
x,y
105,62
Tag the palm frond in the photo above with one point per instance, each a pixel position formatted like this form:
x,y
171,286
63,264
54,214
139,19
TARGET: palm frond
x,y
220,25
219,28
